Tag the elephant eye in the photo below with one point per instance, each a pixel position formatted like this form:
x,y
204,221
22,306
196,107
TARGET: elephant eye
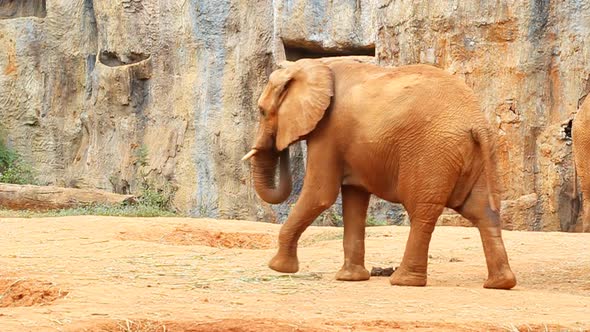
x,y
262,112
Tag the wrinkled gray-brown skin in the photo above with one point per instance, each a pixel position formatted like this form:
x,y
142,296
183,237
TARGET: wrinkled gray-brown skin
x,y
264,165
581,147
413,135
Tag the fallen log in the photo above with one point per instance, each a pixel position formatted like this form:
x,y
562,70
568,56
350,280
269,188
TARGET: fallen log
x,y
44,198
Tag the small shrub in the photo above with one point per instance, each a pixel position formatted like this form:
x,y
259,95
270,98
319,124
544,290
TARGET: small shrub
x,y
330,217
152,194
160,198
141,156
371,221
334,219
123,210
206,208
18,173
7,155
13,169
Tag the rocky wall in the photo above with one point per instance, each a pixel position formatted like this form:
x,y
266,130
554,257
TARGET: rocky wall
x,y
99,94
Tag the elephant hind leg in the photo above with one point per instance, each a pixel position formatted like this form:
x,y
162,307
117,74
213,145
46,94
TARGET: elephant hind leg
x,y
413,268
586,211
581,150
477,209
582,170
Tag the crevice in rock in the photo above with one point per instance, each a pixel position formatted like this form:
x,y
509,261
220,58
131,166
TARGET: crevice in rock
x,y
585,92
139,100
531,165
567,130
90,27
299,49
540,13
112,59
89,23
22,8
90,62
89,13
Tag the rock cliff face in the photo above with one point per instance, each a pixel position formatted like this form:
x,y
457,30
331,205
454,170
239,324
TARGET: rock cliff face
x,y
88,89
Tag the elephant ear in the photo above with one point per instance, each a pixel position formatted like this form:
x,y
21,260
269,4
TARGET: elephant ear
x,y
306,97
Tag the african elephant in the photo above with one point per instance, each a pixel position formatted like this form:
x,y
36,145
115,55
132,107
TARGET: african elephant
x,y
581,147
414,135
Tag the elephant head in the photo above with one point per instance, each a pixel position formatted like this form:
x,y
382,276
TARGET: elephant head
x,y
291,105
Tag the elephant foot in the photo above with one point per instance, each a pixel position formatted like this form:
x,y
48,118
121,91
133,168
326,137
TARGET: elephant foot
x,y
285,264
403,277
352,272
505,280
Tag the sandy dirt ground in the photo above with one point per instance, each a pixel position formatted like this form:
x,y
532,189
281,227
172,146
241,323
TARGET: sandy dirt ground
x,y
177,274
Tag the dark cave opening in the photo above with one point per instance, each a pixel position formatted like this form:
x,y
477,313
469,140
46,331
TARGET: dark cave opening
x,y
112,59
22,8
567,130
295,50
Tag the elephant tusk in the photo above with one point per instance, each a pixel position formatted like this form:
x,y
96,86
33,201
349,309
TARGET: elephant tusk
x,y
249,154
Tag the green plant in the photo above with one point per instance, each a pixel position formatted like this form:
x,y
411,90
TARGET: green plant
x,y
330,217
151,193
141,156
19,172
123,210
13,169
372,221
156,196
206,207
7,155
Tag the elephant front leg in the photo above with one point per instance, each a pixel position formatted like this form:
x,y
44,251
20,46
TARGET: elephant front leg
x,y
355,202
413,268
311,203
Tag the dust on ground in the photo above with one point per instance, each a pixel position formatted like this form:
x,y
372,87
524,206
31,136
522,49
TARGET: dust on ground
x,y
21,292
179,274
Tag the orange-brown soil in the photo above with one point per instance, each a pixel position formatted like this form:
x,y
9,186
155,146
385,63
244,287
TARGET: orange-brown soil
x,y
178,274
21,292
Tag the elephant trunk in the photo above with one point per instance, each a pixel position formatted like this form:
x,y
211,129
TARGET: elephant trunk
x,y
264,169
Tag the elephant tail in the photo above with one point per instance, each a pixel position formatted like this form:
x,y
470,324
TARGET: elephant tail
x,y
483,136
575,184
